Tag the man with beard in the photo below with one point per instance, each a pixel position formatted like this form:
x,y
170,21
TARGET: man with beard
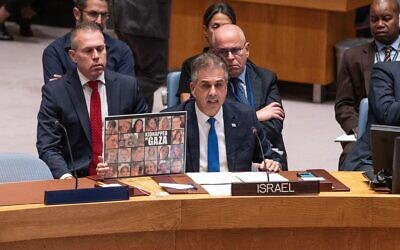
x,y
56,61
79,101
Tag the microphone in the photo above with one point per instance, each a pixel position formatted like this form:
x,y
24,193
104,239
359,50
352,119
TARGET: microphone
x,y
254,131
58,124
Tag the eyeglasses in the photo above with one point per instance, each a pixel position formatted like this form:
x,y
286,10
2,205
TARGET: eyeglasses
x,y
94,15
234,51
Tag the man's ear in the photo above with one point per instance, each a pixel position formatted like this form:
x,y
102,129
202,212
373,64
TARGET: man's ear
x,y
77,14
72,55
192,89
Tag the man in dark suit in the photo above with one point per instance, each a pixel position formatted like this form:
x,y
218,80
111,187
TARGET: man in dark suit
x,y
258,84
235,123
384,103
79,101
355,70
56,61
144,26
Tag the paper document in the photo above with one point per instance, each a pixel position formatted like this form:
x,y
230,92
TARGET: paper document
x,y
213,178
259,177
218,190
177,186
346,138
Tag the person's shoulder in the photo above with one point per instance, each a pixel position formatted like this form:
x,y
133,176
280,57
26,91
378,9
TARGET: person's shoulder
x,y
260,70
184,106
389,67
237,107
114,42
61,41
119,77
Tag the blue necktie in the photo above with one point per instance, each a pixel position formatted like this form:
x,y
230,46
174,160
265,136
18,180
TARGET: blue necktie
x,y
238,88
212,154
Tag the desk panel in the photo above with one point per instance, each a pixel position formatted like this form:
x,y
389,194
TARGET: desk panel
x,y
359,219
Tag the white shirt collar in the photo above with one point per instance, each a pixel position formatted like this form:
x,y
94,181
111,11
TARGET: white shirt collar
x,y
84,79
203,118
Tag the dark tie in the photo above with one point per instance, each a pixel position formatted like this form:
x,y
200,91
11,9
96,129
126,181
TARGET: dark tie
x,y
238,88
212,154
388,51
95,125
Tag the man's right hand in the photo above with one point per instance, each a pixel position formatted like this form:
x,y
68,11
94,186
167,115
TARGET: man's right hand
x,y
271,111
55,77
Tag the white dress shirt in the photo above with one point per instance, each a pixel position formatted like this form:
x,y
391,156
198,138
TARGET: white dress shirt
x,y
204,128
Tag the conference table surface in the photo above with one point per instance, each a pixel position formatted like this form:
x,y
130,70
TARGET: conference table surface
x,y
359,219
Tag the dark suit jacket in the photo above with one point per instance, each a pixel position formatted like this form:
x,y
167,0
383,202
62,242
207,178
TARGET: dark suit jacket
x,y
241,146
265,91
63,100
384,109
147,18
56,60
353,84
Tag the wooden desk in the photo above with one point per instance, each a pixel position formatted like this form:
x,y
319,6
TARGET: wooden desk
x,y
358,219
294,38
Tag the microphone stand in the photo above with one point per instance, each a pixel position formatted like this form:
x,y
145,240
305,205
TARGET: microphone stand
x,y
254,131
57,123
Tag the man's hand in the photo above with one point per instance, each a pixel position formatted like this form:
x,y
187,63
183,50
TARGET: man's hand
x,y
271,111
269,165
102,168
55,77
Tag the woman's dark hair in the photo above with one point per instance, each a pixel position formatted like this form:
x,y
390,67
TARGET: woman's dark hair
x,y
220,7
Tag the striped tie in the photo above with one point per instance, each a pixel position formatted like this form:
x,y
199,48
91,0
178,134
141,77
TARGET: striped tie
x,y
388,51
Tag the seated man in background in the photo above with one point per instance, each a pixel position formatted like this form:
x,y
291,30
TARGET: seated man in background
x,y
355,70
384,103
221,131
79,101
56,61
250,84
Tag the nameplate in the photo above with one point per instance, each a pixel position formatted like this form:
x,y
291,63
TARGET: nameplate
x,y
275,188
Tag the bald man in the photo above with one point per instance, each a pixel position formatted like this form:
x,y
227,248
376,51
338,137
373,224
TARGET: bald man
x,y
251,84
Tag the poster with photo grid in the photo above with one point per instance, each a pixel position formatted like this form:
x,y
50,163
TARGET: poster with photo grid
x,y
145,144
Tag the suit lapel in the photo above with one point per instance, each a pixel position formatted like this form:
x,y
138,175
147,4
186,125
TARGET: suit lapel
x,y
231,125
75,91
368,62
113,93
192,137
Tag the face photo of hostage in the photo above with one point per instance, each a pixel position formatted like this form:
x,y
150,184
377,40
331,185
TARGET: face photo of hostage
x,y
138,154
124,126
165,123
138,126
163,167
111,141
124,170
177,122
177,151
111,155
151,124
177,136
150,167
137,168
124,155
112,170
129,139
111,127
151,153
176,166
163,152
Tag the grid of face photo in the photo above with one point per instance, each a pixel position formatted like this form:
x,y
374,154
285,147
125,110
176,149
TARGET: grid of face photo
x,y
140,145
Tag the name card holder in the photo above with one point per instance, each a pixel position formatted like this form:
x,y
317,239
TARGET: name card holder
x,y
275,188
